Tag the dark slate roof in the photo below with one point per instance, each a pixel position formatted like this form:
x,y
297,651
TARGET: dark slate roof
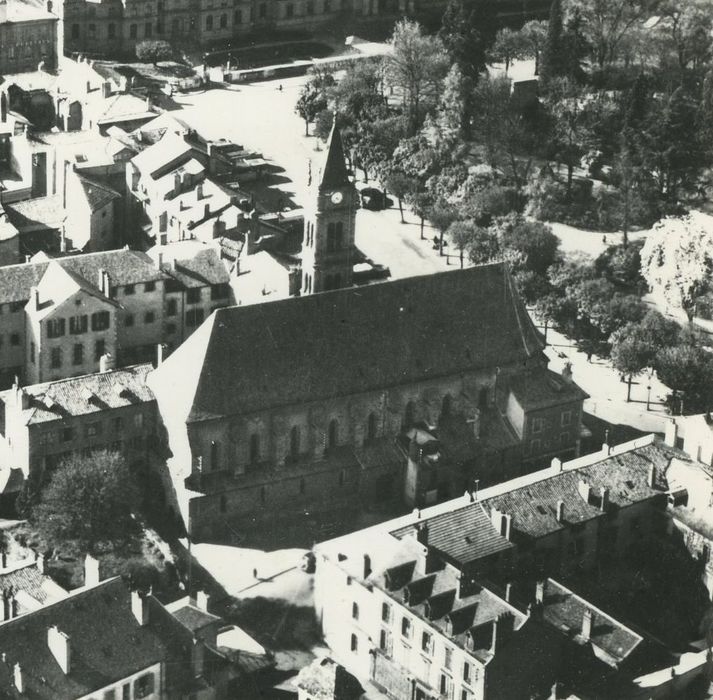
x,y
565,610
461,536
90,393
40,213
107,644
541,388
203,269
98,194
123,266
534,507
334,170
250,358
193,618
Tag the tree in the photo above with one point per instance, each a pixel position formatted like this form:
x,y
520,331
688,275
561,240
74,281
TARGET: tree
x,y
416,66
677,259
687,369
467,34
88,499
154,50
685,28
421,202
323,124
621,264
531,245
554,53
481,244
310,103
534,35
509,45
442,215
629,356
399,185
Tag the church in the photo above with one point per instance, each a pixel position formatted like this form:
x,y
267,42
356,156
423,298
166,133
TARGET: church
x,y
411,389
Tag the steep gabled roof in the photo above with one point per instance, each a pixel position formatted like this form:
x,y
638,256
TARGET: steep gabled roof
x,y
349,341
334,171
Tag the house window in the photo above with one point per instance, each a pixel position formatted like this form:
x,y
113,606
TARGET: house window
x,y
465,694
111,30
126,690
148,31
129,320
99,349
254,448
564,438
14,339
171,307
78,354
262,10
406,627
219,291
537,425
16,306
144,686
263,495
56,358
448,658
129,290
223,21
78,325
193,296
101,320
150,287
194,317
466,672
94,429
303,487
535,446
354,643
75,31
139,420
355,611
333,433
295,442
445,684
209,22
566,418
427,642
409,414
67,434
385,641
310,7
385,612
237,17
149,317
290,11
371,427
32,352
55,328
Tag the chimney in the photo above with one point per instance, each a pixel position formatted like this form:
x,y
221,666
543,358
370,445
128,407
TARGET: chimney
x,y
3,560
671,433
540,593
159,260
652,477
159,354
102,281
18,679
567,372
41,563
91,571
507,526
140,607
476,424
587,625
106,363
199,191
58,643
202,599
367,567
606,447
605,500
35,297
106,281
508,592
556,464
560,511
9,604
422,534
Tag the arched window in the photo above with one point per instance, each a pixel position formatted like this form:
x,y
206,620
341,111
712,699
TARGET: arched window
x,y
214,455
295,442
409,414
254,448
333,433
209,22
223,21
371,427
446,405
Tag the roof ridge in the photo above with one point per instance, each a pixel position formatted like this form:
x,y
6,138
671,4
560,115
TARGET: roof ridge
x,y
76,378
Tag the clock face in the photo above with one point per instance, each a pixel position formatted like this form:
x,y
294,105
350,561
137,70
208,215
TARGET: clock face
x,y
337,198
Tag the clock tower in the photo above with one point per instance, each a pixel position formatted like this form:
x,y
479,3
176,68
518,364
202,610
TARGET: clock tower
x,y
328,252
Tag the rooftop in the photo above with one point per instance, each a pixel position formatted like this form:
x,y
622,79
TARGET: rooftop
x,y
539,389
389,334
18,11
28,579
98,194
192,263
79,396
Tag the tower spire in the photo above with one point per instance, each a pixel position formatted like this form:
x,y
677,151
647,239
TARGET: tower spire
x,y
334,172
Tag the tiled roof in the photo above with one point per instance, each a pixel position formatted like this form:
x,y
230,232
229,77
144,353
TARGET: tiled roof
x,y
203,269
123,266
542,387
461,536
98,195
124,107
28,578
107,644
190,616
155,158
39,213
91,393
351,341
565,610
534,507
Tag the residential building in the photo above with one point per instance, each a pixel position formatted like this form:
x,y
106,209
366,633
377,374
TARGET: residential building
x,y
41,424
442,602
327,384
105,641
129,301
28,37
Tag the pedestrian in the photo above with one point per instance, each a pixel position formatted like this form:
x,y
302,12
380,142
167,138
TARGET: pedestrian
x,y
255,574
604,239
280,88
589,355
